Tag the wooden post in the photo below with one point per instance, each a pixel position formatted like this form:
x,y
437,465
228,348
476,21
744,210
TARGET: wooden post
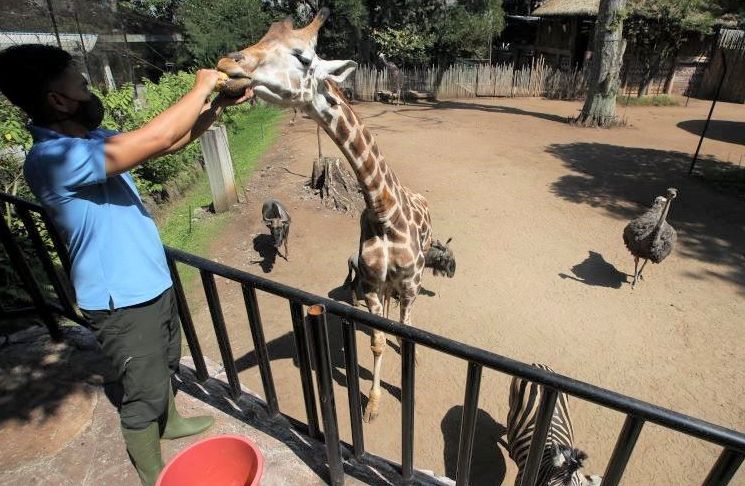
x,y
219,167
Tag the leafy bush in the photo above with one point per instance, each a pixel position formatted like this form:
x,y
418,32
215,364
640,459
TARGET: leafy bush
x,y
124,112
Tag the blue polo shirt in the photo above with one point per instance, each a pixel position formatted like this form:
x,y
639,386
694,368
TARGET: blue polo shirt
x,y
117,256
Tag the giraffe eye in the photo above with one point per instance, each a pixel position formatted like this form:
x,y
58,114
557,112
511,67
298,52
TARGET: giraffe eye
x,y
299,56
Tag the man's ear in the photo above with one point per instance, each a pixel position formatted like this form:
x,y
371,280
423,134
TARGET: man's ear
x,y
57,102
336,71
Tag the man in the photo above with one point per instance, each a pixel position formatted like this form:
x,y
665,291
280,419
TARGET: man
x,y
79,172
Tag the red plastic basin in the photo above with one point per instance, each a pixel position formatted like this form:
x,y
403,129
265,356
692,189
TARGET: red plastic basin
x,y
225,460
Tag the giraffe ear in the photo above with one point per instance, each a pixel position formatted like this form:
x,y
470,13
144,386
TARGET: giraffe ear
x,y
336,71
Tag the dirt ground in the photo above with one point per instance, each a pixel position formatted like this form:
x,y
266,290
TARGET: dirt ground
x,y
536,209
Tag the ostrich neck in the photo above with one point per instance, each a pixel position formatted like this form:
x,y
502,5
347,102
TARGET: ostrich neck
x,y
663,216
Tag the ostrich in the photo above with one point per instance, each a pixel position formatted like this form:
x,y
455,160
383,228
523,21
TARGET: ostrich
x,y
649,236
395,76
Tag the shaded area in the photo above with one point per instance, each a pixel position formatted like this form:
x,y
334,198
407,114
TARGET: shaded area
x,y
488,108
264,246
487,463
283,347
722,130
595,271
36,374
708,213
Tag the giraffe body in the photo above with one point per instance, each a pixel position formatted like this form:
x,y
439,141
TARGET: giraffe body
x,y
395,228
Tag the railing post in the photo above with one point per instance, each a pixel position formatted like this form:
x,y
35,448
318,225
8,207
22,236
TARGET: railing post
x,y
223,342
257,333
15,255
540,432
724,469
349,329
33,232
319,332
468,423
306,376
59,244
186,323
632,427
408,359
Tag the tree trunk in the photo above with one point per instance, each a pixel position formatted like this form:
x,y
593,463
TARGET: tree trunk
x,y
600,105
337,188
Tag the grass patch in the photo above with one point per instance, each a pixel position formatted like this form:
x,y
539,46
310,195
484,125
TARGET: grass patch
x,y
659,100
250,134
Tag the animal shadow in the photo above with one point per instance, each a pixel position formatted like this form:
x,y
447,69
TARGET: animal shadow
x,y
595,271
488,465
342,293
428,293
264,246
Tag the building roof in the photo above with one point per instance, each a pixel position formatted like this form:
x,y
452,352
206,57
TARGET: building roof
x,y
568,8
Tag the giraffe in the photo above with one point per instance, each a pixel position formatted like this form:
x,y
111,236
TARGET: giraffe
x,y
283,69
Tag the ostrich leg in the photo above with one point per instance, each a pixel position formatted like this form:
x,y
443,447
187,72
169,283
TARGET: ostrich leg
x,y
636,272
642,269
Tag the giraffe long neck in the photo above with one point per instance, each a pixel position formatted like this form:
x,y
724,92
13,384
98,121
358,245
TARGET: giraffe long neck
x,y
380,186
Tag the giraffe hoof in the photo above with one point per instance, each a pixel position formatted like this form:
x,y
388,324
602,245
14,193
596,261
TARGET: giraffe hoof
x,y
370,415
373,404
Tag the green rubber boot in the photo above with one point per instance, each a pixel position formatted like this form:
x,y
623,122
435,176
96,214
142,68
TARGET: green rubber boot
x,y
143,447
178,426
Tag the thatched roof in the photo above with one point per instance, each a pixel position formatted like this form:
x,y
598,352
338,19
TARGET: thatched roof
x,y
568,8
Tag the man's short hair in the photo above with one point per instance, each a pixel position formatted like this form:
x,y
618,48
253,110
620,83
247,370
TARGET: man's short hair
x,y
26,71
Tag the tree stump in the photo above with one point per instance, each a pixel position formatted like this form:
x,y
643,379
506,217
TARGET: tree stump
x,y
337,187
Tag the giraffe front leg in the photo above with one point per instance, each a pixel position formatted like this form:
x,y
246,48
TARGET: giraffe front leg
x,y
377,345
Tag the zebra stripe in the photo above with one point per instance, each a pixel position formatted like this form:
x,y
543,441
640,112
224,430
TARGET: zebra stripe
x,y
525,399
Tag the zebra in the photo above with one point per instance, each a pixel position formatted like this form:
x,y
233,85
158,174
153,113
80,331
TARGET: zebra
x,y
561,462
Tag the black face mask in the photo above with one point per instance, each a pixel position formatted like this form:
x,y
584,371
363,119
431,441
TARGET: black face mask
x,y
89,113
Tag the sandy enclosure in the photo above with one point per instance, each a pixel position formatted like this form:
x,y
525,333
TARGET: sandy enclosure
x,y
536,209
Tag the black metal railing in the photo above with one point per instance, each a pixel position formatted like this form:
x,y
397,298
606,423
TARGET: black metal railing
x,y
311,340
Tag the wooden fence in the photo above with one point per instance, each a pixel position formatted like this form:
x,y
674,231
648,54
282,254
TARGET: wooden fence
x,y
471,81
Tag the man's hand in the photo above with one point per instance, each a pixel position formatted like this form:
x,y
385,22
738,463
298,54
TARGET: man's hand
x,y
206,80
223,101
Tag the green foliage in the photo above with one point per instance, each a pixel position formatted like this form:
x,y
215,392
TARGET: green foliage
x,y
467,27
14,142
221,26
659,100
444,32
125,113
404,45
346,33
657,29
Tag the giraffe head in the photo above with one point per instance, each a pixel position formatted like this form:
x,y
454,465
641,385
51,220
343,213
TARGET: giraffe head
x,y
283,68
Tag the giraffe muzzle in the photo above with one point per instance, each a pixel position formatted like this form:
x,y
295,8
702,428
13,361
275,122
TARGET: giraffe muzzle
x,y
234,80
